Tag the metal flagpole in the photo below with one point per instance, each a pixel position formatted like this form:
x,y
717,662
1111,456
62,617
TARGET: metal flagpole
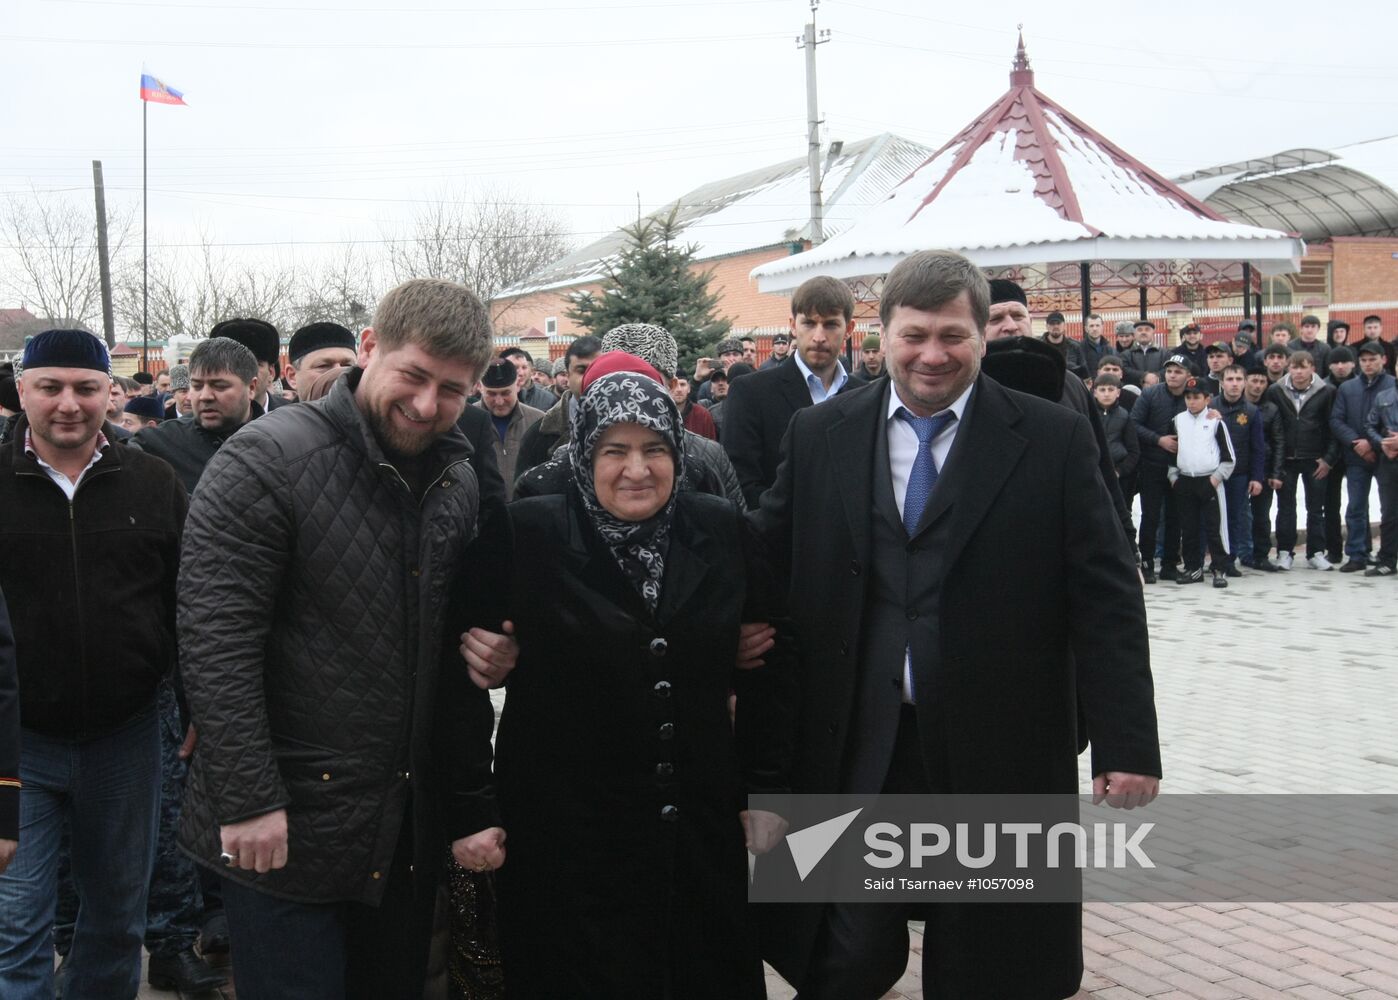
x,y
145,287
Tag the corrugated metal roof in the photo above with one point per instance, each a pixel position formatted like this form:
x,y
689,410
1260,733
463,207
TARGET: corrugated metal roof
x,y
1319,193
760,208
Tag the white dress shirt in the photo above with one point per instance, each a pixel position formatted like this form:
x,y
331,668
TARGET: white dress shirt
x,y
902,453
815,386
68,486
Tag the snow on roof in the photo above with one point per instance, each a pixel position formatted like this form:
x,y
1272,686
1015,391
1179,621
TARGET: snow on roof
x,y
761,208
1027,182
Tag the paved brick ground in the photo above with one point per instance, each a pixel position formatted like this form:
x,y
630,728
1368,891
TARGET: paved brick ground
x,y
1292,706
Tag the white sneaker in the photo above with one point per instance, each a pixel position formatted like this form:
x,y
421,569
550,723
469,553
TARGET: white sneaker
x,y
1318,561
1283,560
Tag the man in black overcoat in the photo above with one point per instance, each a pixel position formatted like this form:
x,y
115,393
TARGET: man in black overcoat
x,y
937,658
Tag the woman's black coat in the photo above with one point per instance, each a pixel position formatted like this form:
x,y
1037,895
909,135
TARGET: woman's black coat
x,y
620,774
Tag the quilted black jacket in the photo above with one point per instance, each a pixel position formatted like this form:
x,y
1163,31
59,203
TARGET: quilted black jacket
x,y
310,620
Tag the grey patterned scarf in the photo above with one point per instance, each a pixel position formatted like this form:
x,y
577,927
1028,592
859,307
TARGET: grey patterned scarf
x,y
626,397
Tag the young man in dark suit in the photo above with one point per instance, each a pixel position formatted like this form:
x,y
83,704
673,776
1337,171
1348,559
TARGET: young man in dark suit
x,y
931,490
758,410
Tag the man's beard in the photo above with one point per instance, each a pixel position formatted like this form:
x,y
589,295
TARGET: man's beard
x,y
394,439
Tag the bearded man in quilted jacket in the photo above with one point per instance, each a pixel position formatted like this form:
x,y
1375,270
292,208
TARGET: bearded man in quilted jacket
x,y
337,725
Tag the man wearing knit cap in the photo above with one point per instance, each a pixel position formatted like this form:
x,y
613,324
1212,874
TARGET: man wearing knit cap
x,y
871,365
781,350
262,339
180,404
509,417
89,551
142,412
317,348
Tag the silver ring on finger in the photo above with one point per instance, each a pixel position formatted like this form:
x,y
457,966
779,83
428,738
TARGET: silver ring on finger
x,y
229,860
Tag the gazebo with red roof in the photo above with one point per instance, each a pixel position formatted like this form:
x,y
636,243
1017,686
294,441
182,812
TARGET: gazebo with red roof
x,y
1030,191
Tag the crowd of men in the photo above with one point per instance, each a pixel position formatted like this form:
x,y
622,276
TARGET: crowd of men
x,y
180,519
1299,416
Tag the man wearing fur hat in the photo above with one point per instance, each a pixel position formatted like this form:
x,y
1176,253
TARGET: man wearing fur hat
x,y
265,342
89,551
317,348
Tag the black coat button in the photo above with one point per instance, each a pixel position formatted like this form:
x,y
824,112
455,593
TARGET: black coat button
x,y
854,569
844,648
658,647
662,689
667,730
912,615
833,728
664,769
669,813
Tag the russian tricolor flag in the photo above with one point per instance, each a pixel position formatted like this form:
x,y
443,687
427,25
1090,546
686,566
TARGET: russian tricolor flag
x,y
157,90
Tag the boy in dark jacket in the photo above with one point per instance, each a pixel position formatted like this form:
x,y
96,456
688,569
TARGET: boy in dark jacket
x,y
1304,402
1154,414
1244,425
1260,509
1120,431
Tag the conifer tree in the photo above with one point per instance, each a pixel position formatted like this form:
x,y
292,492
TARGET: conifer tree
x,y
653,281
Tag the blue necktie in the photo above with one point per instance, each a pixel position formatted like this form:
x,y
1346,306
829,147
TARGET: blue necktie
x,y
924,474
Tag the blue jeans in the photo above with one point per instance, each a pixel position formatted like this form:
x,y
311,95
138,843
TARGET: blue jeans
x,y
1359,479
1235,496
108,790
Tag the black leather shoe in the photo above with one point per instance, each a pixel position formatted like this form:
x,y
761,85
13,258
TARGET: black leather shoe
x,y
184,971
1233,571
1186,576
213,941
1148,572
1353,566
1169,572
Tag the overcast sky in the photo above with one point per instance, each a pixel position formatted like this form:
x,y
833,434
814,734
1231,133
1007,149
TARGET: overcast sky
x,y
311,121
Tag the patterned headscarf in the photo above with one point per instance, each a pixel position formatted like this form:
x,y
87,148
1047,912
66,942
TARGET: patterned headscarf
x,y
616,398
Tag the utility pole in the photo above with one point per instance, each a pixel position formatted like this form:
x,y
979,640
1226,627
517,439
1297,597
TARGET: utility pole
x,y
809,41
104,264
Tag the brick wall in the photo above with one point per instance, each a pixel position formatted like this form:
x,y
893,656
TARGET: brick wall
x,y
1365,269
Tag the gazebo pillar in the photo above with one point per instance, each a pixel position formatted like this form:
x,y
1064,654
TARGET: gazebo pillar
x,y
1085,274
1145,301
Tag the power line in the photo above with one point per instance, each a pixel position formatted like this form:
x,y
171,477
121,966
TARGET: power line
x,y
281,9
378,45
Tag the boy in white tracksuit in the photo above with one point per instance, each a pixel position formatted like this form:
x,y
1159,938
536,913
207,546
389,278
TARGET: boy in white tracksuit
x,y
1203,460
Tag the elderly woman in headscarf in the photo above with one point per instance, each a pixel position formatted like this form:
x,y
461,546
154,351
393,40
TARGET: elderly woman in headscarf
x,y
622,781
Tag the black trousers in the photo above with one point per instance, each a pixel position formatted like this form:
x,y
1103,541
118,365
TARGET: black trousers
x,y
1154,482
1197,499
334,951
1387,476
1302,470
